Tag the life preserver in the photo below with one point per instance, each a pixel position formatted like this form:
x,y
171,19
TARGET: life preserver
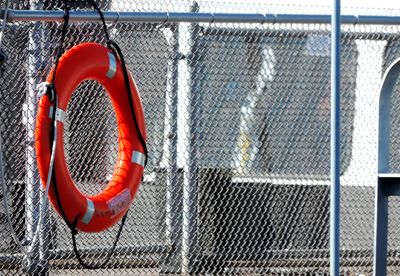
x,y
92,61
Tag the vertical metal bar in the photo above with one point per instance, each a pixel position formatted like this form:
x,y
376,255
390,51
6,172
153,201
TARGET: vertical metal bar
x,y
172,263
173,137
189,220
381,230
335,142
33,193
32,188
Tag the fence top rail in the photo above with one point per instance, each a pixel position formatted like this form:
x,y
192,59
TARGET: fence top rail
x,y
192,17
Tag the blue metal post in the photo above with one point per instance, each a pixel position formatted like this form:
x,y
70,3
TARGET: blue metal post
x,y
335,142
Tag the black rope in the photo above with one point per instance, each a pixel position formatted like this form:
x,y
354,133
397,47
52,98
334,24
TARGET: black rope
x,y
96,7
52,90
60,49
72,226
110,253
112,45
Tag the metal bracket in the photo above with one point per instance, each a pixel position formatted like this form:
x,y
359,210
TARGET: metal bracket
x,y
60,114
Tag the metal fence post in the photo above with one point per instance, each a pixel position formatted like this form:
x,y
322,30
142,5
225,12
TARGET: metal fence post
x,y
33,193
173,219
190,191
48,226
335,142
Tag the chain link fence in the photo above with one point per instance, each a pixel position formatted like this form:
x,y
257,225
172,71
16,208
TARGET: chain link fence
x,y
238,124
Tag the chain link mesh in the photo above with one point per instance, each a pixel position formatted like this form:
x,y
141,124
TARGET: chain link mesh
x,y
238,123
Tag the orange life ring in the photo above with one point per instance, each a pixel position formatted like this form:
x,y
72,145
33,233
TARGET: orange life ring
x,y
92,61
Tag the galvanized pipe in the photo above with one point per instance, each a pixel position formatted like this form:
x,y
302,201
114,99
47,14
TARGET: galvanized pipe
x,y
190,188
192,17
172,261
335,142
33,196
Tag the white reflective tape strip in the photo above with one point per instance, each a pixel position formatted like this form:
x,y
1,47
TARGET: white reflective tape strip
x,y
60,114
112,69
89,212
138,158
